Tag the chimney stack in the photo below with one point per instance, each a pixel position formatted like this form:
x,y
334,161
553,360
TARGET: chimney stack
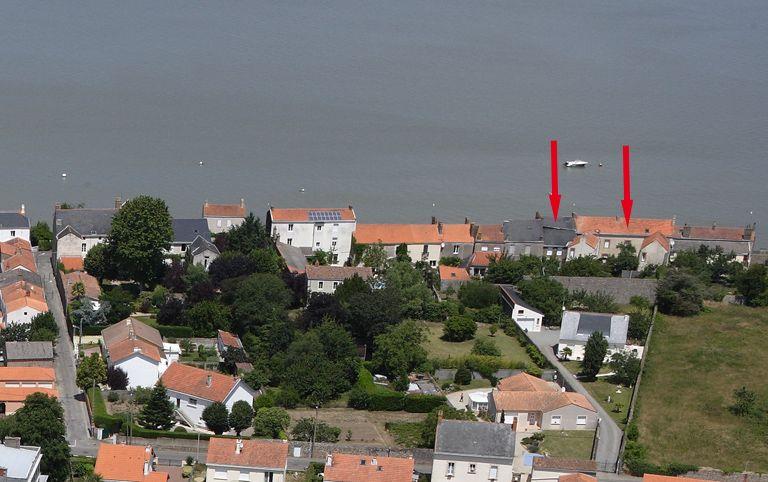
x,y
209,381
23,210
242,203
537,215
749,231
434,220
118,202
329,460
686,231
57,206
466,220
714,226
238,446
440,228
13,442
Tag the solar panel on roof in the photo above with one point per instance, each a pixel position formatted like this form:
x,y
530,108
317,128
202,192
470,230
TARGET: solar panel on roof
x,y
325,215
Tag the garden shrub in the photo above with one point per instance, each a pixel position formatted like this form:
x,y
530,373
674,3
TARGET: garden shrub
x,y
170,331
423,403
463,376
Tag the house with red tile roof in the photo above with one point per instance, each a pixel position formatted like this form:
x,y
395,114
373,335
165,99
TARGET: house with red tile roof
x,y
452,277
128,463
423,240
238,459
90,284
530,404
654,250
21,301
325,279
456,239
612,231
313,229
225,339
341,467
192,389
137,349
17,383
488,237
479,262
223,217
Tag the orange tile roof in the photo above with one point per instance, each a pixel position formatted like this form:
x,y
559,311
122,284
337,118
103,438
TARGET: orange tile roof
x,y
194,381
453,273
538,401
337,273
72,263
483,258
588,238
266,454
397,234
457,233
489,233
121,350
525,383
718,232
667,478
22,259
616,225
27,374
131,328
224,210
662,240
91,284
302,214
361,468
126,463
19,394
22,294
13,245
229,339
577,477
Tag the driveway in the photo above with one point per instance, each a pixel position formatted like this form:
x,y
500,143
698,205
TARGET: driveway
x,y
459,400
609,434
75,411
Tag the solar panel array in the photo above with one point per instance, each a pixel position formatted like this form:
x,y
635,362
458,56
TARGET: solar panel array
x,y
325,215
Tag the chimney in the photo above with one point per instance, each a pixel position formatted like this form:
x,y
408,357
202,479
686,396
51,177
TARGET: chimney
x,y
242,203
118,202
434,220
749,231
686,231
3,472
23,210
537,215
329,460
13,442
714,226
238,446
57,206
440,228
208,380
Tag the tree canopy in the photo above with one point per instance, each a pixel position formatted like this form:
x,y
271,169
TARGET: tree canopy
x,y
546,295
40,422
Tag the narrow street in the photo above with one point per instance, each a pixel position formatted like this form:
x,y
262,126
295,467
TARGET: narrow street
x,y
609,434
72,399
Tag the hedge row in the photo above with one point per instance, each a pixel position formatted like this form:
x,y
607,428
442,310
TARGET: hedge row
x,y
511,329
101,418
366,395
484,364
168,331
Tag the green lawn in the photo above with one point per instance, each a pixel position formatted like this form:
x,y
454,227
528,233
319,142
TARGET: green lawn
x,y
149,320
437,348
602,389
406,434
693,366
569,444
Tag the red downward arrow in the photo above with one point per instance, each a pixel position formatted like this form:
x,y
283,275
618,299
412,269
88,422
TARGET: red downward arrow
x,y
627,202
554,196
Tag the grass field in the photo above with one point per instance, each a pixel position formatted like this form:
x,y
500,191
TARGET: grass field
x,y
437,348
602,389
569,444
693,366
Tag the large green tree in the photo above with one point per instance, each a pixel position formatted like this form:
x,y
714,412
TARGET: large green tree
x,y
459,328
40,423
216,418
207,317
258,300
400,349
626,260
241,416
91,371
250,235
545,294
157,413
478,294
370,313
271,422
680,294
141,232
752,284
594,354
41,236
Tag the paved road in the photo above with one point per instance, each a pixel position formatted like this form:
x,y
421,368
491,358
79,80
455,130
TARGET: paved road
x,y
609,435
75,411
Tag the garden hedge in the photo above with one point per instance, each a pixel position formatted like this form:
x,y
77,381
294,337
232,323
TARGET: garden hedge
x,y
366,395
170,331
112,424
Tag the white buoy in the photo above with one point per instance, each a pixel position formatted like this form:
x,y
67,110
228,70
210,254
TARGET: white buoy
x,y
63,174
201,163
301,189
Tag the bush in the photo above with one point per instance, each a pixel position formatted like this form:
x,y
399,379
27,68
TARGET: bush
x,y
180,429
113,397
358,399
486,347
680,294
459,328
463,376
633,433
478,294
306,428
388,401
422,403
267,399
287,397
101,418
170,331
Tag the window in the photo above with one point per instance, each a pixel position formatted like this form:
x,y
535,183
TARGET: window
x,y
269,476
581,420
335,284
319,227
178,402
335,258
472,468
549,252
192,402
244,476
606,244
520,312
220,475
317,244
483,248
496,249
451,468
320,284
433,263
13,233
333,244
642,257
290,227
493,474
556,419
83,248
425,250
218,223
455,249
289,241
229,223
183,247
559,252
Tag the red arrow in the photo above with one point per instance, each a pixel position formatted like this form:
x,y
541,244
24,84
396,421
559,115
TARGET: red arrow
x,y
627,202
554,196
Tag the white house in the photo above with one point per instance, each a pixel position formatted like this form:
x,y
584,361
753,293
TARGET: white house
x,y
423,241
312,229
21,301
137,349
254,460
577,326
341,467
524,315
223,217
473,452
14,224
202,252
185,231
325,279
77,230
21,463
192,389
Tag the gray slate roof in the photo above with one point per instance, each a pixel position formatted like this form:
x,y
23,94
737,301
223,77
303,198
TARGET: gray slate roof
x,y
201,244
509,294
186,230
9,220
483,439
578,326
29,350
546,231
294,258
10,277
737,247
86,221
621,289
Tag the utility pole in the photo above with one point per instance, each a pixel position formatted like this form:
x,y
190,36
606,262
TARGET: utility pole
x,y
314,433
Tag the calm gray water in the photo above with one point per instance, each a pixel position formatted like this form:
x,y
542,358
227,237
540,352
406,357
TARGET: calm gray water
x,y
388,105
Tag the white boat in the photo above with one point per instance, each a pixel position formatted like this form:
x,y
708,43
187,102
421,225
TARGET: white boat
x,y
575,163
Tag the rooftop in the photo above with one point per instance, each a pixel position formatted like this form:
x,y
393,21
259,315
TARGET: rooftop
x,y
126,463
121,350
256,453
72,263
483,258
538,401
451,273
229,339
85,221
364,468
511,295
19,394
206,384
456,233
337,273
186,230
28,350
312,215
579,325
130,328
27,374
200,244
489,233
484,439
524,382
19,461
90,283
617,226
211,210
397,234
10,220
294,259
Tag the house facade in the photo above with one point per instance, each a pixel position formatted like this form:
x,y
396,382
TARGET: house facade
x,y
17,383
341,467
577,326
192,389
247,460
736,240
479,262
488,237
137,349
202,252
185,231
530,404
422,240
325,279
14,224
456,239
612,231
538,237
223,217
489,455
525,316
312,229
77,230
21,301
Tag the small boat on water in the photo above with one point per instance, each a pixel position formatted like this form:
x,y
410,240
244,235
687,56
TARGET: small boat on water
x,y
575,163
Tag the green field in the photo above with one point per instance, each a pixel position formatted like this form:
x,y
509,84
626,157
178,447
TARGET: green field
x,y
601,389
569,444
693,366
437,348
